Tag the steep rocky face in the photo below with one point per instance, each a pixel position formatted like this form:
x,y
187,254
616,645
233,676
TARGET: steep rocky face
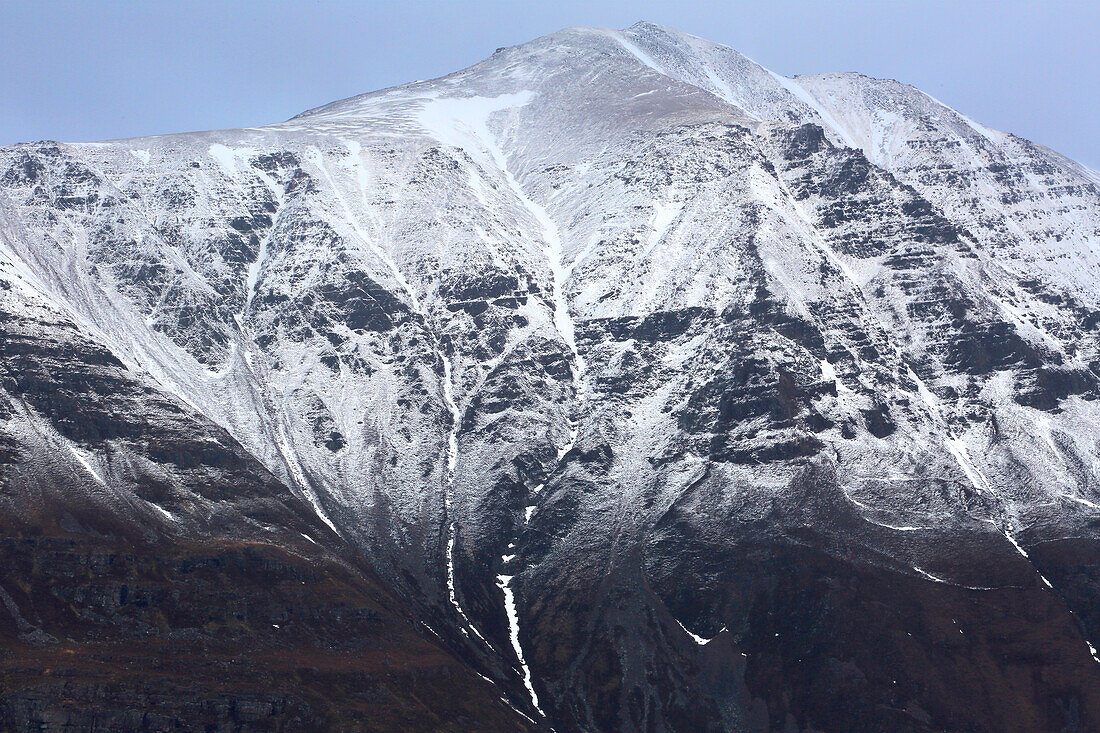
x,y
658,390
156,576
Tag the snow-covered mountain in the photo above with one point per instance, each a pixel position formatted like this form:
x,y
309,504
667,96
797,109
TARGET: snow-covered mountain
x,y
658,390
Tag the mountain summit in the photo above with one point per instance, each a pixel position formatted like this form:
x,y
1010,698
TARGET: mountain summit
x,y
612,383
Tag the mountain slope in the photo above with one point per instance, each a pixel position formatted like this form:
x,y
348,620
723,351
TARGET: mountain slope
x,y
668,392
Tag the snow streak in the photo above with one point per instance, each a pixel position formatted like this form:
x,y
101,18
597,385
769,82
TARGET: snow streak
x,y
701,641
448,499
504,583
563,323
79,455
446,383
464,124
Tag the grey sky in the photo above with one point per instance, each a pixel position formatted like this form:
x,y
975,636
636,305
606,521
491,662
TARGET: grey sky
x,y
115,68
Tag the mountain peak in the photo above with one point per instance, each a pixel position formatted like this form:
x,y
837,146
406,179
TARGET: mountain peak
x,y
612,383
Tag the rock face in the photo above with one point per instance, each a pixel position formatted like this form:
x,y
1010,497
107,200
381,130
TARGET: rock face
x,y
658,390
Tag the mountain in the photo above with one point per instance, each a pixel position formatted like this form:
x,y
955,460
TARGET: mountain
x,y
612,383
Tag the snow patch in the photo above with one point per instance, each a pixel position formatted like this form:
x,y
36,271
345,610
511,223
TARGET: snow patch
x,y
355,150
958,450
828,373
299,476
504,583
801,94
895,527
993,136
463,122
955,446
1079,500
1023,552
226,158
929,576
695,637
456,420
632,48
452,594
167,514
663,216
82,458
936,579
1046,431
783,202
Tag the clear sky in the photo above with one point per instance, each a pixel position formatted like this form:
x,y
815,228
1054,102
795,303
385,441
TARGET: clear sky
x,y
96,69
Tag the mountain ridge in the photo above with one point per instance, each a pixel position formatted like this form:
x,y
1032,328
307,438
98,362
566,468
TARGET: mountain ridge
x,y
543,350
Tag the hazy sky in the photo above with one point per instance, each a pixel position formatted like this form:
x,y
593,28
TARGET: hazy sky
x,y
115,68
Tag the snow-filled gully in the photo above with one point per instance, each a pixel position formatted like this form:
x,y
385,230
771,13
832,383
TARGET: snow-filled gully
x,y
563,323
448,500
464,124
354,149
